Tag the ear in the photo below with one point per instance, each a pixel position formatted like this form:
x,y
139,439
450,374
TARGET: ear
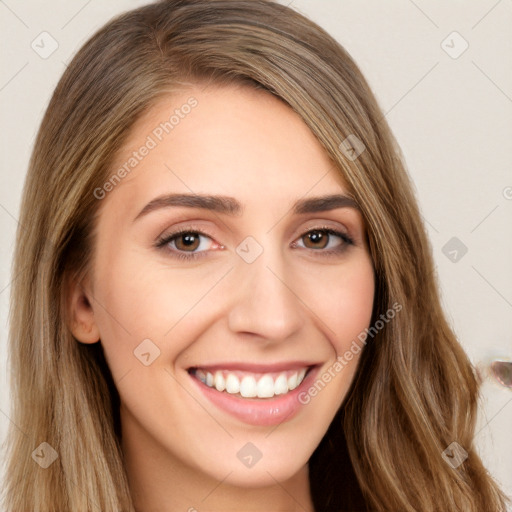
x,y
80,312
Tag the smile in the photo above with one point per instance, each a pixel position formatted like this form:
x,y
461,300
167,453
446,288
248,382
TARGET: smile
x,y
254,394
251,385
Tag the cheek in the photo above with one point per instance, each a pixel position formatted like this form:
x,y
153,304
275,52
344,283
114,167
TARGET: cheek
x,y
343,300
137,300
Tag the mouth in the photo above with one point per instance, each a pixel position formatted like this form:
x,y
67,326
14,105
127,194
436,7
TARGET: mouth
x,y
255,394
250,384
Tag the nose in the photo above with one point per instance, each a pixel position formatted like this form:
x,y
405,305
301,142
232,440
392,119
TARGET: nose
x,y
264,303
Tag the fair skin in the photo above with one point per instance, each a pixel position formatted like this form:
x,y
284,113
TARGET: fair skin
x,y
295,306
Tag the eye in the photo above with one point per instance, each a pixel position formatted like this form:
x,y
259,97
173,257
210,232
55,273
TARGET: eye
x,y
187,243
190,244
326,239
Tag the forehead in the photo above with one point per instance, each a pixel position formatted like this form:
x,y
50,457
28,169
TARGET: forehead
x,y
228,140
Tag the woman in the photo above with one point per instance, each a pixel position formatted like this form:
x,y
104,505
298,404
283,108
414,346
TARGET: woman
x,y
226,297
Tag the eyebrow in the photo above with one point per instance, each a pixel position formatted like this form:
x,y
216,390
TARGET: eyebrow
x,y
324,203
230,206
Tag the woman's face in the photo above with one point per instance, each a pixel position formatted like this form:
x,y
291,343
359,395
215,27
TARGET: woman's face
x,y
226,256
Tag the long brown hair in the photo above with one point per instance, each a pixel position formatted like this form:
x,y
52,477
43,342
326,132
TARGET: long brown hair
x,y
415,391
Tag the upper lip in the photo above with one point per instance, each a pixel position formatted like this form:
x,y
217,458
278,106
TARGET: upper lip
x,y
256,368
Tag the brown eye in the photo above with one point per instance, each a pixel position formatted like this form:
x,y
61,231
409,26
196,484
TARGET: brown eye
x,y
187,241
188,244
324,241
316,239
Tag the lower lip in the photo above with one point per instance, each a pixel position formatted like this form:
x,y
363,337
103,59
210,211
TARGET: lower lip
x,y
263,412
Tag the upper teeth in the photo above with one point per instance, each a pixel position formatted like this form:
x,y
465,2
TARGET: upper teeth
x,y
251,385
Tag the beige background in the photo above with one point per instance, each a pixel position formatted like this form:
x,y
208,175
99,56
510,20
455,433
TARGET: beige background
x,y
451,113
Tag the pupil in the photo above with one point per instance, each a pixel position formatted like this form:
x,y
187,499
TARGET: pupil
x,y
188,239
318,238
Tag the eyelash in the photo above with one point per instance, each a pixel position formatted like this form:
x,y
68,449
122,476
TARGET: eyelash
x,y
162,242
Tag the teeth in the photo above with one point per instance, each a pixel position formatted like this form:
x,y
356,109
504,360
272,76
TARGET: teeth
x,y
248,387
232,384
220,382
251,386
266,387
292,381
281,385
